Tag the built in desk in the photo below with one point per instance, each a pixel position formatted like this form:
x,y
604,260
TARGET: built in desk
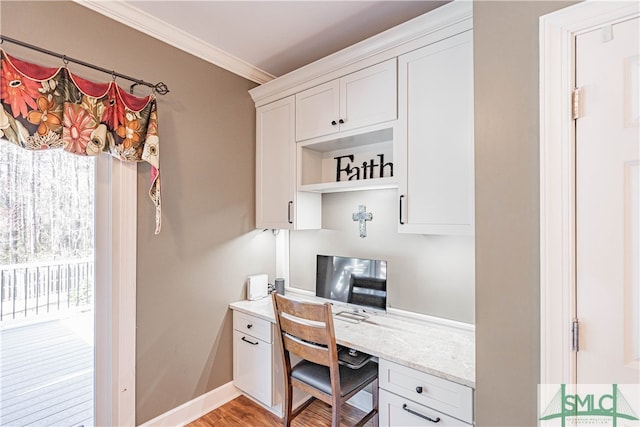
x,y
427,371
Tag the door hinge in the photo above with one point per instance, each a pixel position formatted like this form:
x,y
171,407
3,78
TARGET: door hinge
x,y
576,106
575,335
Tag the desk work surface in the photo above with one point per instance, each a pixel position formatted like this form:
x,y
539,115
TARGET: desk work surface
x,y
437,350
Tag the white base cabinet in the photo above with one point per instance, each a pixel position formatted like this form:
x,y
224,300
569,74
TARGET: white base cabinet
x,y
257,364
398,411
413,398
253,356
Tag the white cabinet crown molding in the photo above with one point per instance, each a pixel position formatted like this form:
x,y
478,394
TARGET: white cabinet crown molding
x,y
453,17
139,20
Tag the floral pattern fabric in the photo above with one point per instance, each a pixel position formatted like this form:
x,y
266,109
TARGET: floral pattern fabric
x,y
44,108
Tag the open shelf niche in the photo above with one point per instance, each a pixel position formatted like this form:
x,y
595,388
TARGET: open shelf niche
x,y
363,161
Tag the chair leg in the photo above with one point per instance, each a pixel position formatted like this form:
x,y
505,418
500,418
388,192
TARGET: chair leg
x,y
374,397
287,406
336,415
336,412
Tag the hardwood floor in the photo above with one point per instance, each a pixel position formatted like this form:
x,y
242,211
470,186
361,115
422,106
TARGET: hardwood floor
x,y
243,412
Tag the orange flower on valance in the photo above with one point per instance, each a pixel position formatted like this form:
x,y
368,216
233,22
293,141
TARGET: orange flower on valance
x,y
45,108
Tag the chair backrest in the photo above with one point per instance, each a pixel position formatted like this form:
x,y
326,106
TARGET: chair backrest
x,y
306,330
369,291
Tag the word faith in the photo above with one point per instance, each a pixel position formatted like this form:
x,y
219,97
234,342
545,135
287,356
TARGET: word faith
x,y
366,171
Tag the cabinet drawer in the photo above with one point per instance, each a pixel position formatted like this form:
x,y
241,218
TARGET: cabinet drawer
x,y
442,395
396,411
251,325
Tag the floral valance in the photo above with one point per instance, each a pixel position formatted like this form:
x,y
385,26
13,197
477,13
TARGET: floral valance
x,y
45,108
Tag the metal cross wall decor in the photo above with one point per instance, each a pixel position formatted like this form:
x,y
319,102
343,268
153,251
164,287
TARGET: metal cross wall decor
x,y
362,215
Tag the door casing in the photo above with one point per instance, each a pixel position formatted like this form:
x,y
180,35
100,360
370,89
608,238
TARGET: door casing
x,y
557,178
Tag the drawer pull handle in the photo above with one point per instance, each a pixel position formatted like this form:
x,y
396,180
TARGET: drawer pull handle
x,y
249,326
417,414
419,389
249,341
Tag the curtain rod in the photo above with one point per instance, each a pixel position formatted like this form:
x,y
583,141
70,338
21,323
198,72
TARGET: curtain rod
x,y
159,88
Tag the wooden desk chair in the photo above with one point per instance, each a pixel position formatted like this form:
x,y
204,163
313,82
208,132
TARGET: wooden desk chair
x,y
306,330
368,291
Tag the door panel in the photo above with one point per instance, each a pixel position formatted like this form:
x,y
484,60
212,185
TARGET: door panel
x,y
607,205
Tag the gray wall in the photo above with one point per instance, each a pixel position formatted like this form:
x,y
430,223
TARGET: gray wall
x,y
507,206
188,274
432,275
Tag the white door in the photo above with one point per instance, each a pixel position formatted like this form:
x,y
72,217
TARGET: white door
x,y
607,205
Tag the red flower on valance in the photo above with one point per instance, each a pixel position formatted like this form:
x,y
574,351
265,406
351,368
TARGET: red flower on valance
x,y
44,108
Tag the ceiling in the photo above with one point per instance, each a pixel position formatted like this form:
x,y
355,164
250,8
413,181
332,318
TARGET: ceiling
x,y
261,40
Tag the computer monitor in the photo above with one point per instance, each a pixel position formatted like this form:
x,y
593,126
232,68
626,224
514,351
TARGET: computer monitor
x,y
359,282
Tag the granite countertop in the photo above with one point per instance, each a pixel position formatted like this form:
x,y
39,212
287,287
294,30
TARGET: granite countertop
x,y
437,350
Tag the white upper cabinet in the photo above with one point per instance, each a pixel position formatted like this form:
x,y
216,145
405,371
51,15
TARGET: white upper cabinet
x,y
393,111
435,138
359,99
278,205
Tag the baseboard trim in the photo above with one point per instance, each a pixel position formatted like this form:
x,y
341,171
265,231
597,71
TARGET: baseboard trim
x,y
195,408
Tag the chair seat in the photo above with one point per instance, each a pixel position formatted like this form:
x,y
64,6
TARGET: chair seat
x,y
318,376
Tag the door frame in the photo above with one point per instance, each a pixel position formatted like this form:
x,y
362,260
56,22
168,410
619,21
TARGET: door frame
x,y
557,178
115,292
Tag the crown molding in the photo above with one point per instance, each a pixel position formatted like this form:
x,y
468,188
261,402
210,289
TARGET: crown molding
x,y
154,27
442,22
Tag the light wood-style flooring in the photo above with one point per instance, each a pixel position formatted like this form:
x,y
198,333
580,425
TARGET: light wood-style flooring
x,y
243,412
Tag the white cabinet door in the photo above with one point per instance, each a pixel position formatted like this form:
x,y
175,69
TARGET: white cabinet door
x,y
427,390
360,99
435,143
252,368
368,96
317,111
278,206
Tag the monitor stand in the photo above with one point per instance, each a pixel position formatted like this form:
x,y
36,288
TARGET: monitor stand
x,y
352,316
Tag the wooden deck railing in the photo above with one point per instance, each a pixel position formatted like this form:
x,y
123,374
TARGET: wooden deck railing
x,y
34,288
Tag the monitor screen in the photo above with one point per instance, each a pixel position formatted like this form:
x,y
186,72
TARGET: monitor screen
x,y
357,281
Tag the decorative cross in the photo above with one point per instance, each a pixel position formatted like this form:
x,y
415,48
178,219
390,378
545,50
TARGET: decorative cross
x,y
362,215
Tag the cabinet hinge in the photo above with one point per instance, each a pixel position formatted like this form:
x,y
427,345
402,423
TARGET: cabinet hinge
x,y
576,103
575,335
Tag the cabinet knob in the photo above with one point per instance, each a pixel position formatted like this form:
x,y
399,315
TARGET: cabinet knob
x,y
341,121
249,326
419,389
333,123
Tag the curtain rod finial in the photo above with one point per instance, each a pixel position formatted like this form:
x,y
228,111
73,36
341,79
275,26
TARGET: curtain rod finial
x,y
161,88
